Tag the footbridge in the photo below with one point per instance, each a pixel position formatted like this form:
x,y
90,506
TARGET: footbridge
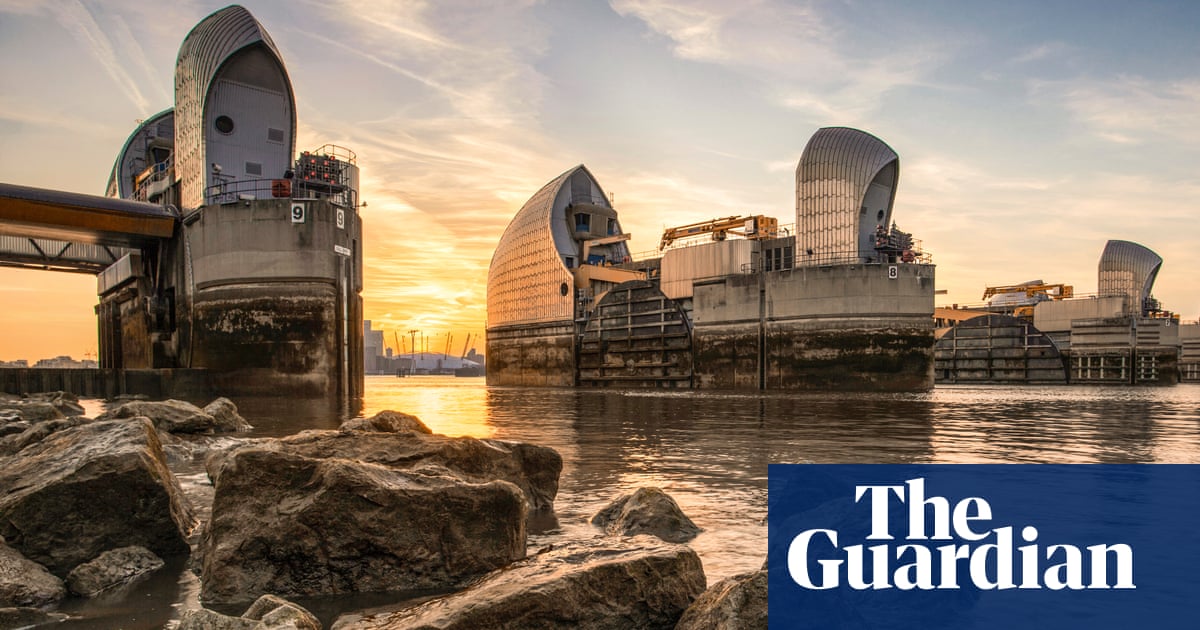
x,y
64,231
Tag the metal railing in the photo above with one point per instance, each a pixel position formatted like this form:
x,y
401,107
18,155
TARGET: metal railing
x,y
162,172
233,191
336,152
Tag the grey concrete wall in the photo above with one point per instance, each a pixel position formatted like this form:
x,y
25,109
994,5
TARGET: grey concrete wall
x,y
681,267
263,339
541,355
840,327
191,385
256,240
1189,357
1056,316
727,355
851,291
880,354
272,305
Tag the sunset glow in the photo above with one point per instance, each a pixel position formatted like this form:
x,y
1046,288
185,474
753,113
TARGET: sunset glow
x,y
1029,133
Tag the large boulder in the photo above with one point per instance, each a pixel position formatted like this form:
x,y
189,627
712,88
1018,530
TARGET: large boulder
x,y
82,490
177,416
225,416
66,402
31,411
387,422
26,583
534,469
641,583
33,433
646,511
111,569
267,613
287,522
736,603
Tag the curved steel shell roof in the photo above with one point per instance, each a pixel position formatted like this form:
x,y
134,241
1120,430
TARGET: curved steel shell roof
x,y
837,168
527,273
1128,269
206,48
120,182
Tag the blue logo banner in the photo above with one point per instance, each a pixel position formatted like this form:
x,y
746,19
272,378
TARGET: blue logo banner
x,y
983,546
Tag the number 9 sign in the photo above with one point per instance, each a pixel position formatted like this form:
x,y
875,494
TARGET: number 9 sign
x,y
297,213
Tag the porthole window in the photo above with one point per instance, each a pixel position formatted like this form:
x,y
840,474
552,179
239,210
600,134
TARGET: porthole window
x,y
224,124
563,288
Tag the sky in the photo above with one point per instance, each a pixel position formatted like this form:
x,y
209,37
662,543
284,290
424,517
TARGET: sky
x,y
1029,133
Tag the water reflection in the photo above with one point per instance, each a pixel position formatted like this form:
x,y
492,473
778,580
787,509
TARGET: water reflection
x,y
710,450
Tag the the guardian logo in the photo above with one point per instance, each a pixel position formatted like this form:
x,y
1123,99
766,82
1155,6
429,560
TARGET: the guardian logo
x,y
948,546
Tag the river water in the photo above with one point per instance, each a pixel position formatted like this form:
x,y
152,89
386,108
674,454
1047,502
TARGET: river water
x,y
710,450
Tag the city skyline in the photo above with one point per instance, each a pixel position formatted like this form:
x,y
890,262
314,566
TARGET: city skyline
x,y
1029,134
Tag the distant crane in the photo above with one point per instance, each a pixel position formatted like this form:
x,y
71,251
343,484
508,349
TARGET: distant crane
x,y
753,227
1034,292
1053,291
465,344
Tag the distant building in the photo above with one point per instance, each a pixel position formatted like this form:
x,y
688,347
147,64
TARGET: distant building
x,y
845,301
374,361
65,362
1121,335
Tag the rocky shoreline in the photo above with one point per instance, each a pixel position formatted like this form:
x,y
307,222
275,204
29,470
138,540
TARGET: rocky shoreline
x,y
380,505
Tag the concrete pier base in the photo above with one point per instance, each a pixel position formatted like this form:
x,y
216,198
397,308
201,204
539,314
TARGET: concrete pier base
x,y
539,355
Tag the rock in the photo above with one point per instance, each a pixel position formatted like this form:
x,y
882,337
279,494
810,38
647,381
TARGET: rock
x,y
534,469
15,443
287,522
387,422
205,619
276,612
112,568
14,426
172,416
66,402
226,418
269,612
33,411
26,583
646,511
736,603
24,617
640,583
85,489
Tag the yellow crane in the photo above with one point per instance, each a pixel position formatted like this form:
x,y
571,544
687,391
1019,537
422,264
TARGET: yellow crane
x,y
1031,290
1053,291
752,227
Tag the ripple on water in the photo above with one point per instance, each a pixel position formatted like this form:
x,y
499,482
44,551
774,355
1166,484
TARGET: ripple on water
x,y
710,450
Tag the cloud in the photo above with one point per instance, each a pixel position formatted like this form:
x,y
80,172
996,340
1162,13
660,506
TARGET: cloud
x,y
450,148
1042,52
815,62
1128,110
76,18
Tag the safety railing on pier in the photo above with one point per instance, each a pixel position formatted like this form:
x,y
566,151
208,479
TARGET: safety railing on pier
x,y
819,259
324,173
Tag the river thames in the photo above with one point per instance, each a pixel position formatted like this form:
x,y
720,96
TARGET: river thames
x,y
710,450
